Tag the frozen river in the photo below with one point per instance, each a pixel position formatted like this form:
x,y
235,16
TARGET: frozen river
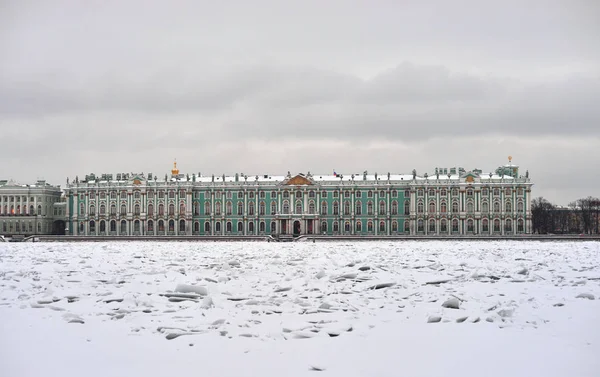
x,y
300,309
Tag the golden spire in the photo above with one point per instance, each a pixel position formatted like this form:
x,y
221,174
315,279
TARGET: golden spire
x,y
175,171
509,159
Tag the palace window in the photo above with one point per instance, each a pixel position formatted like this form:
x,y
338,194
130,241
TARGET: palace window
x,y
136,194
196,227
407,193
207,208
443,225
92,210
520,191
171,209
228,227
311,207
369,207
406,226
394,226
470,207
496,207
382,207
346,207
347,227
369,194
324,208
171,194
431,192
470,225
336,208
443,207
469,193
484,191
432,226
81,209
496,225
358,226
113,226
420,192
240,227
217,209
182,208
520,227
273,208
382,226
394,193
196,209
206,227
102,209
407,207
454,225
161,194
298,194
420,207
251,227
443,192
485,226
298,207
336,227
286,207
394,207
228,208
261,227
240,209
150,226
420,225
324,194
358,194
150,194
273,194
261,208
431,207
508,225
358,208
251,209
218,227
454,206
508,207
485,207
102,195
251,195
496,192
161,226
381,193
92,227
336,194
113,209
324,226
240,195
311,194
508,191
520,207
347,194
273,227
113,195
136,210
455,192
286,194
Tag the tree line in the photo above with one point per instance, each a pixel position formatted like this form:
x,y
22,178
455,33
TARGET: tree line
x,y
581,216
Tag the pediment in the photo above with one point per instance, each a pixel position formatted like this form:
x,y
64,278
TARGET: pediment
x,y
298,180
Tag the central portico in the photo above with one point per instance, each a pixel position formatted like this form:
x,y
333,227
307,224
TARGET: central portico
x,y
298,207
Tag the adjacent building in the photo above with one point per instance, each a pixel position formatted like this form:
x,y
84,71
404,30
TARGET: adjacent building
x,y
32,209
447,202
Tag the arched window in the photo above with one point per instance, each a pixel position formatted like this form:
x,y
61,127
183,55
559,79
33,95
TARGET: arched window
x,y
394,208
81,209
369,207
358,208
218,227
420,225
92,210
432,225
240,208
407,207
420,207
485,225
113,210
240,227
136,194
324,208
150,226
171,225
496,207
251,227
261,227
520,226
251,209
39,210
196,209
496,225
382,226
323,226
311,207
113,226
432,207
274,208
298,206
369,226
470,207
196,227
171,209
136,226
181,226
358,227
508,225
161,225
207,227
443,207
508,206
382,207
454,207
454,225
207,208
347,208
394,226
261,208
136,209
218,209
347,227
273,227
336,226
92,227
150,209
406,226
336,208
443,225
102,226
520,207
485,207
181,209
470,227
123,209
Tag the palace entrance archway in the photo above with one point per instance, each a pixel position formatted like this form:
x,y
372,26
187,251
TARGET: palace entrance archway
x,y
297,228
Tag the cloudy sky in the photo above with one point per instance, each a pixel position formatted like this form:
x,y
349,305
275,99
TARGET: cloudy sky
x,y
263,87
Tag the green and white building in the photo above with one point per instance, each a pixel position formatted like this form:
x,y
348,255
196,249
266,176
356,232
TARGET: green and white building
x,y
446,202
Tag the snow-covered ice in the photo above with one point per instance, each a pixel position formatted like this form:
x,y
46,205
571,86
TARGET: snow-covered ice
x,y
300,309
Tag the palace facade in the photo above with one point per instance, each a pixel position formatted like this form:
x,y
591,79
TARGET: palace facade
x,y
31,209
448,202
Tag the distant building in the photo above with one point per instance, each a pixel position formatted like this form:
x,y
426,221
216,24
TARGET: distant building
x,y
31,209
448,202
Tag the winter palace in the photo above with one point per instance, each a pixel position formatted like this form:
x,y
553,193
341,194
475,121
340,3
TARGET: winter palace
x,y
447,202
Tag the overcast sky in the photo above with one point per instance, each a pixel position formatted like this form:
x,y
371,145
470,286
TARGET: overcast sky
x,y
266,87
